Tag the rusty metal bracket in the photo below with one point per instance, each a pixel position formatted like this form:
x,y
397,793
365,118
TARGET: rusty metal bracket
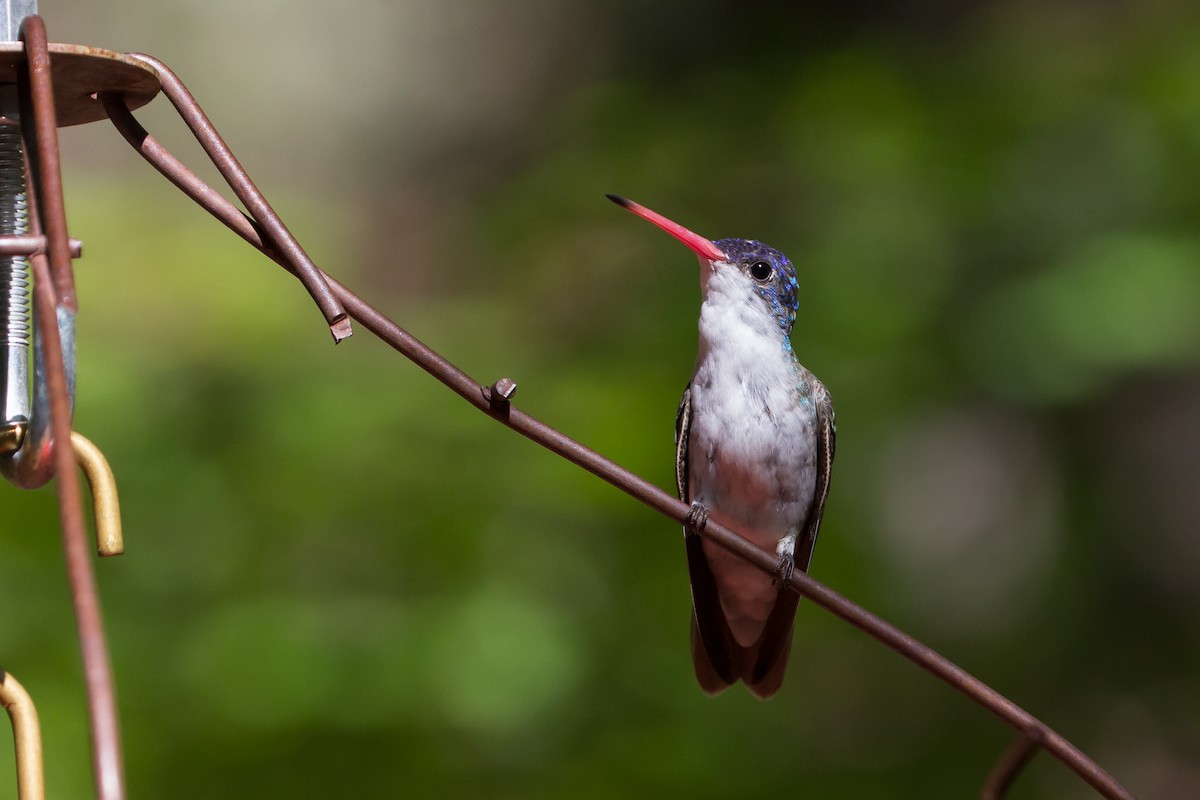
x,y
273,229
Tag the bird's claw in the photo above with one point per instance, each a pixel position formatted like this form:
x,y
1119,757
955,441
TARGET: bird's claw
x,y
696,519
784,570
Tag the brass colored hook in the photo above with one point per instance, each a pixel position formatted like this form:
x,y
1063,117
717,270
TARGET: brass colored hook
x,y
109,541
27,734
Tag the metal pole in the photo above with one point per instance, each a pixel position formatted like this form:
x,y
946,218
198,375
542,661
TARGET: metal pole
x,y
15,307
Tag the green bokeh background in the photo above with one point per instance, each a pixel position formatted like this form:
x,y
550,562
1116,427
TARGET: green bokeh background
x,y
341,580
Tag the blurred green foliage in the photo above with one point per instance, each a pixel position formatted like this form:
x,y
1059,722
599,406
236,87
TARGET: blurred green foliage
x,y
341,580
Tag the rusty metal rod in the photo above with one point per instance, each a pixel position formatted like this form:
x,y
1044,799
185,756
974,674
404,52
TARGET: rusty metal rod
x,y
40,129
53,287
1010,764
633,485
98,678
274,230
28,244
639,488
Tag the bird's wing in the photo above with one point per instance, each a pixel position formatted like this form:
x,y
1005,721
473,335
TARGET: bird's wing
x,y
683,427
826,444
714,651
766,668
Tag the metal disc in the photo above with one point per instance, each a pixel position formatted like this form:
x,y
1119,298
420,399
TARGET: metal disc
x,y
79,73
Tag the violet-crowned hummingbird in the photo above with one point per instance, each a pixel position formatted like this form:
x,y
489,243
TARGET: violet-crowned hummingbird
x,y
754,442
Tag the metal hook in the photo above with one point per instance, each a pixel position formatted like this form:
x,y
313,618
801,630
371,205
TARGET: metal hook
x,y
32,464
109,540
27,736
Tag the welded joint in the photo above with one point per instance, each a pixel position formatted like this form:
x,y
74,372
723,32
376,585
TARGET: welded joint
x,y
499,395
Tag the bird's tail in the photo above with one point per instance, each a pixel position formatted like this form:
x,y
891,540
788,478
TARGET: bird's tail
x,y
764,664
761,666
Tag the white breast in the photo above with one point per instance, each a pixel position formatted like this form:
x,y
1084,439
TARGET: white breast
x,y
752,446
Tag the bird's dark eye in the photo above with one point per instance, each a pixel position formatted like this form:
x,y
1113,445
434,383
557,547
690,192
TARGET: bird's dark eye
x,y
760,270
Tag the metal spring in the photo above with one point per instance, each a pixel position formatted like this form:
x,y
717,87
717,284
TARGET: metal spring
x,y
14,219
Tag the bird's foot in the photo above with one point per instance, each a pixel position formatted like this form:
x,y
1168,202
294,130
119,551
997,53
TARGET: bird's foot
x,y
784,570
696,519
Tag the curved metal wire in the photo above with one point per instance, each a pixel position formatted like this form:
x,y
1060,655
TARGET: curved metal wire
x,y
27,737
1010,764
106,506
493,401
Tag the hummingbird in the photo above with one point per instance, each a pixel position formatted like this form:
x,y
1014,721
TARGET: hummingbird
x,y
754,444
